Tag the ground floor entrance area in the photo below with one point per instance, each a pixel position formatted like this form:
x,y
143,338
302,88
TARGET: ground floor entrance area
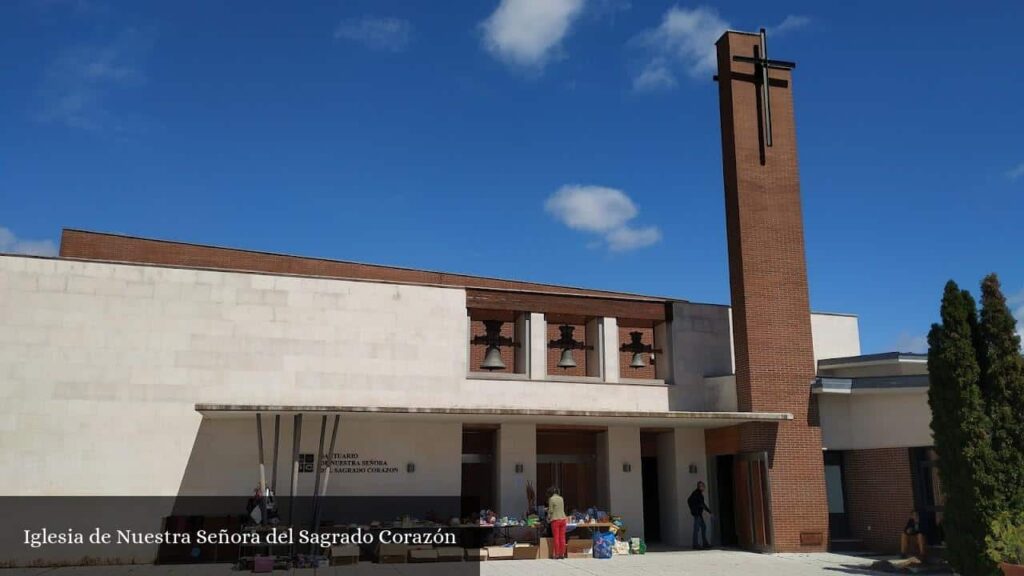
x,y
635,471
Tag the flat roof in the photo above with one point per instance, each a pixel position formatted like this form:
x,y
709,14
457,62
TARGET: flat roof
x,y
907,382
489,415
880,358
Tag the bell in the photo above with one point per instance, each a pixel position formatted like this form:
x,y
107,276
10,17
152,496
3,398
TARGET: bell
x,y
492,359
566,361
638,360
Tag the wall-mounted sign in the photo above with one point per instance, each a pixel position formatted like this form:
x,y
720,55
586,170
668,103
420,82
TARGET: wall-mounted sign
x,y
347,463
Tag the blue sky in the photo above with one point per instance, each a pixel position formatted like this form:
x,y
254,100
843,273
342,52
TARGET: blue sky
x,y
564,141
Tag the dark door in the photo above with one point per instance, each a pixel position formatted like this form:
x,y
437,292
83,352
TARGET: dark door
x,y
928,498
835,492
477,484
652,501
725,494
574,477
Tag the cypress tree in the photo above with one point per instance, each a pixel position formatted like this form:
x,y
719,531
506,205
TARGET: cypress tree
x,y
960,428
1002,385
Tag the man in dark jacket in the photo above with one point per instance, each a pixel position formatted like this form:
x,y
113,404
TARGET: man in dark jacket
x,y
697,508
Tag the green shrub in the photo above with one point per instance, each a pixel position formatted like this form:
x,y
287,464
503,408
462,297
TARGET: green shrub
x,y
1005,542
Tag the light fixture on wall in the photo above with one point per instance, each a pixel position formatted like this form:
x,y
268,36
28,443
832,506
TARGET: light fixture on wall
x,y
493,339
410,467
638,348
627,467
567,344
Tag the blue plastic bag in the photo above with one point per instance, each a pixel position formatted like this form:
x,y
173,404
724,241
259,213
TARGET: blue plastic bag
x,y
604,545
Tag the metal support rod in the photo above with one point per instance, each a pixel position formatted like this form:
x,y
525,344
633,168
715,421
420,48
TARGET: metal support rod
x,y
319,460
263,471
327,471
330,452
277,441
296,438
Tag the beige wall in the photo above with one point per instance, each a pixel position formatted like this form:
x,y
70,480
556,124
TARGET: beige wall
x,y
835,336
516,444
625,489
225,457
119,355
883,419
677,450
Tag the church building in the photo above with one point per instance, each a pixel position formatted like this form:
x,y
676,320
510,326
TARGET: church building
x,y
164,368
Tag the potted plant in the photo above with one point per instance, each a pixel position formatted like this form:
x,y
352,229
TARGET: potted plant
x,y
1005,543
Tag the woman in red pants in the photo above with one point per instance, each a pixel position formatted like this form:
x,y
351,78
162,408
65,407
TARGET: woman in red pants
x,y
557,520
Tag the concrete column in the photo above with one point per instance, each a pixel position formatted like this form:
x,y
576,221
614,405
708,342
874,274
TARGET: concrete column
x,y
517,445
610,329
522,339
625,489
538,344
663,359
677,451
595,355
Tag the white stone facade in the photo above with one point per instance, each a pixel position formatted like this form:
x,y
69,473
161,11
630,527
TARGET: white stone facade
x,y
102,365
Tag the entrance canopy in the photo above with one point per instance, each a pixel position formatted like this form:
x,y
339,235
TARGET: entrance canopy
x,y
498,415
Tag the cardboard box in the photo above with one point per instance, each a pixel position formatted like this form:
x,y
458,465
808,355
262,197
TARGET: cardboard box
x,y
450,554
344,555
579,546
392,553
525,552
499,553
580,555
420,555
545,548
476,554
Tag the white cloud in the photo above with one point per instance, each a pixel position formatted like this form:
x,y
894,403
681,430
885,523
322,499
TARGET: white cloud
x,y
655,76
604,211
1015,172
386,34
78,83
526,32
1016,304
11,244
685,38
915,343
790,23
625,239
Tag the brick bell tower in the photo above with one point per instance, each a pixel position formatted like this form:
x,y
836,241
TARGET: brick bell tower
x,y
768,279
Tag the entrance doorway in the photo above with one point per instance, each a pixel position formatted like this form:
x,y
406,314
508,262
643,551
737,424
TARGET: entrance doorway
x,y
650,484
567,459
652,501
478,472
725,508
835,492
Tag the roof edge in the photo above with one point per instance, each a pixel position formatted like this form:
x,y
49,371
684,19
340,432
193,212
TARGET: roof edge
x,y
596,292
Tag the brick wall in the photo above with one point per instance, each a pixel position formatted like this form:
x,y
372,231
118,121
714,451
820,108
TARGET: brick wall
x,y
768,279
879,496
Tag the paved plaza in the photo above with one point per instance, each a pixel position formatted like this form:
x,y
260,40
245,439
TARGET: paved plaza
x,y
652,564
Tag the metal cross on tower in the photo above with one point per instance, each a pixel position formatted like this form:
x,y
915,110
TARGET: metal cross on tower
x,y
762,64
